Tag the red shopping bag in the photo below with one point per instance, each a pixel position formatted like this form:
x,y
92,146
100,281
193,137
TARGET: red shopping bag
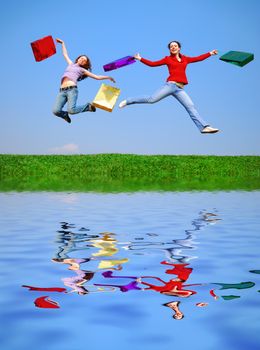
x,y
43,48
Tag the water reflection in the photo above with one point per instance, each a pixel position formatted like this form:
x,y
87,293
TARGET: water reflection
x,y
175,286
174,305
46,303
181,246
123,288
78,248
76,282
178,249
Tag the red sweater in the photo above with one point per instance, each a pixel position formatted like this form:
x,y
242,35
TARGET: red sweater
x,y
176,68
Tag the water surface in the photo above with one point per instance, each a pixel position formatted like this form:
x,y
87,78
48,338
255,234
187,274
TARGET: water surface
x,y
74,267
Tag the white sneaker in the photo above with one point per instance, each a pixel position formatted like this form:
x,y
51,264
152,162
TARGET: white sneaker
x,y
209,130
122,104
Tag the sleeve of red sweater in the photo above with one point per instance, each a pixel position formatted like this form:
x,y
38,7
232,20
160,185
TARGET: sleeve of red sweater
x,y
198,58
154,63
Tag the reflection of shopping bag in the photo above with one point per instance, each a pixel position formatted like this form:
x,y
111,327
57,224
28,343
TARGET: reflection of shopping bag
x,y
237,57
121,62
106,97
43,48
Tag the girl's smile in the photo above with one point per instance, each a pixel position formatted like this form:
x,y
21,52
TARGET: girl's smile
x,y
174,48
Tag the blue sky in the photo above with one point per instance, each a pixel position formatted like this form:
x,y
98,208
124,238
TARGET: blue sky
x,y
226,95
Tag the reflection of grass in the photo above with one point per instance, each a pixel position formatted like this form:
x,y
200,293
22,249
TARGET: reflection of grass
x,y
118,173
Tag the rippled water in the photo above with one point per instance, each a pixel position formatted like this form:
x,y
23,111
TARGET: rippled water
x,y
89,270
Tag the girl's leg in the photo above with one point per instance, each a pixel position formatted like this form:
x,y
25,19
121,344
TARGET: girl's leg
x,y
59,104
187,103
163,92
72,96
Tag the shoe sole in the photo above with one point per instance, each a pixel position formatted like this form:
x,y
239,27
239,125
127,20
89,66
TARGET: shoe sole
x,y
67,119
210,132
122,105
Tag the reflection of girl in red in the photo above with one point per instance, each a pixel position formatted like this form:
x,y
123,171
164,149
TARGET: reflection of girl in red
x,y
174,305
181,270
174,287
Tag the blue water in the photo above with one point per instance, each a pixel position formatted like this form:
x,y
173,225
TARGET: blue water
x,y
45,238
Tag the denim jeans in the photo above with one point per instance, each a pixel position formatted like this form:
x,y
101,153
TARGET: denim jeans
x,y
171,89
68,96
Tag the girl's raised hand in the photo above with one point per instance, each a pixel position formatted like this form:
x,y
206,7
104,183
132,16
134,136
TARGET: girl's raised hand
x,y
214,52
59,41
112,79
137,56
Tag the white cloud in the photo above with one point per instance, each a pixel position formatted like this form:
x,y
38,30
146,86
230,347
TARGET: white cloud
x,y
70,148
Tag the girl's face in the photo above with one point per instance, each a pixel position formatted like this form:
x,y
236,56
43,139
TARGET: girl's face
x,y
82,61
174,48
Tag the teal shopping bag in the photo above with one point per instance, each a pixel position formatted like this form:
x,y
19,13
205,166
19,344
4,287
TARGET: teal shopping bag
x,y
237,57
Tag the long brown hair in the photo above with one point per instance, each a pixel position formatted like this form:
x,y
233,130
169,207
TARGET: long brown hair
x,y
87,66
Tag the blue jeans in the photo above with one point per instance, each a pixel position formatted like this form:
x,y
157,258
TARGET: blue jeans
x,y
70,95
175,91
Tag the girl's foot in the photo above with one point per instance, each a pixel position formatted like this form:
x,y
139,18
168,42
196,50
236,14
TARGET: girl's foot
x,y
91,108
67,118
122,104
209,130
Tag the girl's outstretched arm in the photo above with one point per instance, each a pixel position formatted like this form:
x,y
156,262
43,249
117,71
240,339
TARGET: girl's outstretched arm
x,y
64,51
202,57
161,62
99,77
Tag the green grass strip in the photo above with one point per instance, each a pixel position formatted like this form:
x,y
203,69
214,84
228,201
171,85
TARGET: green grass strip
x,y
128,172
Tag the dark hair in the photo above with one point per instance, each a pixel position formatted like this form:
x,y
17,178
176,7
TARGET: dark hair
x,y
174,41
87,66
175,317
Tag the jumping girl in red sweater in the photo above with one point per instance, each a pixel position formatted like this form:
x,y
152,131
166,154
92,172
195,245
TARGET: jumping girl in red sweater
x,y
174,85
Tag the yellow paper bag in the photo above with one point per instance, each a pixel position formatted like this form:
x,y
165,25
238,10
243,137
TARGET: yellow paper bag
x,y
106,97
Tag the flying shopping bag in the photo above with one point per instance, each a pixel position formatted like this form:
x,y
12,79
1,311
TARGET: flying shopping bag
x,y
237,57
106,97
43,48
121,62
